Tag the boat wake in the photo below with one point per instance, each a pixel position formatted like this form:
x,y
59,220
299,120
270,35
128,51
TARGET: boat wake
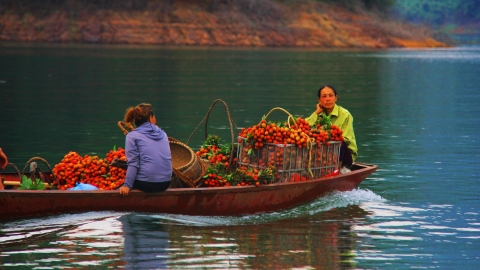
x,y
323,204
54,224
25,229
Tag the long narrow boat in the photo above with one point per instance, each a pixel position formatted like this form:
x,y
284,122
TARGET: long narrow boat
x,y
220,201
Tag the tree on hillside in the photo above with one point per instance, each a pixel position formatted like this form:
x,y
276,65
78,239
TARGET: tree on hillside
x,y
368,4
439,12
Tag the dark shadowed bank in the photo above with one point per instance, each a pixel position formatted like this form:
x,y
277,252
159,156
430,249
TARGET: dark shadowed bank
x,y
255,23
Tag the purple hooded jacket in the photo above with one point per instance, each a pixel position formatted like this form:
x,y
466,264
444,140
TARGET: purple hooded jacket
x,y
148,155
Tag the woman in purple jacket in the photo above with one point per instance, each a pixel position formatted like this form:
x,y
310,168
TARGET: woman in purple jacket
x,y
148,153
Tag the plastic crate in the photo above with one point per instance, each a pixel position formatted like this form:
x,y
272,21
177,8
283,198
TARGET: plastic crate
x,y
291,162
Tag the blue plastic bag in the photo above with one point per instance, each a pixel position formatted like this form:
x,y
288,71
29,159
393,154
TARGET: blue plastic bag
x,y
83,186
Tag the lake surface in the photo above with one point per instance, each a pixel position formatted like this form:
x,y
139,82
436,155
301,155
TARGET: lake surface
x,y
416,114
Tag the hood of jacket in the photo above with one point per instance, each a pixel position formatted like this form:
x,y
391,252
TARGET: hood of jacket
x,y
151,131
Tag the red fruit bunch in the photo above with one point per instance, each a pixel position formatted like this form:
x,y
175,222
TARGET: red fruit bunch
x,y
298,133
74,169
214,152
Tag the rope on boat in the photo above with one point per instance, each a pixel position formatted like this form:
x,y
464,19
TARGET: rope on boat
x,y
205,119
16,169
46,163
290,116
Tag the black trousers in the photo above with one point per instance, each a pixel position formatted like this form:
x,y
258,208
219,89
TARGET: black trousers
x,y
150,187
345,155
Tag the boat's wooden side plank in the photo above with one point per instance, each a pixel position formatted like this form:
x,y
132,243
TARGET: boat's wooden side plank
x,y
201,201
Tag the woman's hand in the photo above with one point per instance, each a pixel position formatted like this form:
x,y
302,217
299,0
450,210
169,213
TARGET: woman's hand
x,y
124,190
319,108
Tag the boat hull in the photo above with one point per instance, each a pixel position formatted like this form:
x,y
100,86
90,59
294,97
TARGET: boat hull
x,y
221,201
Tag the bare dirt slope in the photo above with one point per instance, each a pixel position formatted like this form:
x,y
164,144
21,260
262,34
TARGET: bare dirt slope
x,y
262,23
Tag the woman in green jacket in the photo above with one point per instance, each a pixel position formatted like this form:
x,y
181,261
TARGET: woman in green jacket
x,y
340,117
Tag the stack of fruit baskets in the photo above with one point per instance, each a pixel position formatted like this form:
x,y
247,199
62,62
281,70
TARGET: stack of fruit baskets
x,y
296,150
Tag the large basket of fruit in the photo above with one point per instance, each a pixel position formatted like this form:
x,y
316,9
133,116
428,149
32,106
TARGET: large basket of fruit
x,y
290,161
296,150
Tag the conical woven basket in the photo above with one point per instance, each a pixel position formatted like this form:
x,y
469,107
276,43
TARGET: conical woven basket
x,y
182,155
188,170
191,177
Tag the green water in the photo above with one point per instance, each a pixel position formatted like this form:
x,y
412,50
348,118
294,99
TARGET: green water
x,y
416,115
62,99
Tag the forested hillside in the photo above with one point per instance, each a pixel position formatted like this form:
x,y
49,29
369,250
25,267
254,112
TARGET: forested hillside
x,y
281,23
459,19
440,12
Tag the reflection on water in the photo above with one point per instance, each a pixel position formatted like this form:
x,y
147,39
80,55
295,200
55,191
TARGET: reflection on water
x,y
277,245
416,115
320,236
146,243
415,230
88,239
341,231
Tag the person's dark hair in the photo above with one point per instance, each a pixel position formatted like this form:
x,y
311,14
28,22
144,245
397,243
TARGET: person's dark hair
x,y
140,114
329,86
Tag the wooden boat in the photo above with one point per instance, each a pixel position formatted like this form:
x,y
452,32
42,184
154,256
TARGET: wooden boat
x,y
219,201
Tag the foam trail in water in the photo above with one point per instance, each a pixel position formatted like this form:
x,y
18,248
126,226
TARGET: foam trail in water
x,y
24,229
330,201
323,204
60,220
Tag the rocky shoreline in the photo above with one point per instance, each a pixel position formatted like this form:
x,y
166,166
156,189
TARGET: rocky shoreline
x,y
307,25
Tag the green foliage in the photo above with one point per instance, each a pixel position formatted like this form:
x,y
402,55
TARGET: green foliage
x,y
268,174
27,184
438,12
212,140
225,149
220,169
379,4
368,4
325,122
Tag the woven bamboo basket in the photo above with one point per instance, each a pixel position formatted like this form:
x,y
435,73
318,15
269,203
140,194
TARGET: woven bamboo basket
x,y
190,177
182,156
187,167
